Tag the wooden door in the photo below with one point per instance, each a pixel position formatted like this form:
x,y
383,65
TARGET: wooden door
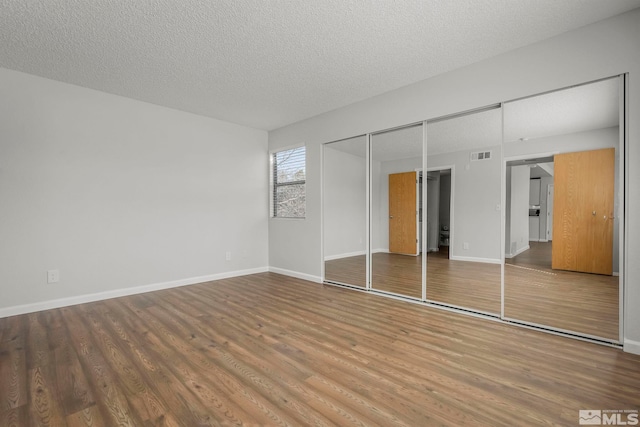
x,y
583,211
403,214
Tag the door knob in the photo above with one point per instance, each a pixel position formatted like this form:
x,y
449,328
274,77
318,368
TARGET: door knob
x,y
593,213
390,216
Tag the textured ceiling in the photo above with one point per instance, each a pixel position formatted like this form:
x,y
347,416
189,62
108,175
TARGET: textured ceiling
x,y
266,64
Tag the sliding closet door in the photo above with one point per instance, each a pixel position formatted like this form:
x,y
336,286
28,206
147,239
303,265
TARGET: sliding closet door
x,y
396,211
345,211
562,249
464,211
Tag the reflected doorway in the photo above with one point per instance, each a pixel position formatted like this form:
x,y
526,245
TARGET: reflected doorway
x,y
438,221
556,293
562,233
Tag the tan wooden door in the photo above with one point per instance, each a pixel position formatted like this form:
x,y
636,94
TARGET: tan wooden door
x,y
583,211
403,218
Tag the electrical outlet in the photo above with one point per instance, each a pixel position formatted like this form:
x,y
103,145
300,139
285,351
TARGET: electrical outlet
x,y
53,276
465,245
228,256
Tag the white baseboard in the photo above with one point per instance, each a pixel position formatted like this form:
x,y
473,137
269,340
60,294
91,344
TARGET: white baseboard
x,y
631,346
99,296
379,250
476,259
296,274
345,255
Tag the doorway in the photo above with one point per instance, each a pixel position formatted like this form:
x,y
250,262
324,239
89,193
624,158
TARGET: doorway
x,y
439,210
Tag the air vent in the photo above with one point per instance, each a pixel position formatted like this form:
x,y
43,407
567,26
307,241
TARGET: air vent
x,y
481,155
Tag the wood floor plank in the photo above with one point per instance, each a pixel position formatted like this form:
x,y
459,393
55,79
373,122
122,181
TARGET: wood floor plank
x,y
13,375
87,417
45,407
15,417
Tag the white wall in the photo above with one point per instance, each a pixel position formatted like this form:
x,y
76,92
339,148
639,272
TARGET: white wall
x,y
603,49
518,200
345,205
119,194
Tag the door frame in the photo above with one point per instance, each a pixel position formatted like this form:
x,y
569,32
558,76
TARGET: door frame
x,y
548,233
452,169
416,215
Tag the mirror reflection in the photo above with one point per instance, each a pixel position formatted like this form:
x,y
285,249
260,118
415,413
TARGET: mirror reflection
x,y
345,210
396,213
562,216
463,211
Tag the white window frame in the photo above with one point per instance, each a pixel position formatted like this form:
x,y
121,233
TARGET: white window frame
x,y
273,185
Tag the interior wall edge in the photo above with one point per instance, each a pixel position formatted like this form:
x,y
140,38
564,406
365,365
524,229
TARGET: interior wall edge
x,y
631,346
101,296
296,274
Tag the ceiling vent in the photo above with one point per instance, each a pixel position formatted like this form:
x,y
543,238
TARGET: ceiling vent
x,y
481,155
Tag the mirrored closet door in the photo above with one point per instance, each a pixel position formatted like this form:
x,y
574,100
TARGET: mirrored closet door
x,y
463,212
563,209
345,211
396,211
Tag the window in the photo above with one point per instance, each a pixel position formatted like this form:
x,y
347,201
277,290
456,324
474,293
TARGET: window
x,y
288,168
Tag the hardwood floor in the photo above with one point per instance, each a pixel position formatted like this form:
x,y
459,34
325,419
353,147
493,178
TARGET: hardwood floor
x,y
465,284
347,271
534,293
400,274
474,285
580,302
267,349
